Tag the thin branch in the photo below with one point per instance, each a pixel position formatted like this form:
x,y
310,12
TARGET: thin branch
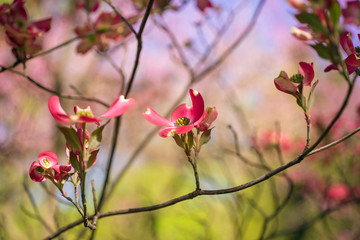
x,y
333,143
162,25
313,220
121,16
118,119
49,90
17,62
235,44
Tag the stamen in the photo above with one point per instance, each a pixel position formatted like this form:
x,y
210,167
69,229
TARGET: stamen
x,y
297,78
183,121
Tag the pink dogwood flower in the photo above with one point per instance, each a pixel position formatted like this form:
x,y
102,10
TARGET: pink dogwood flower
x,y
295,84
290,85
119,107
183,118
47,167
352,61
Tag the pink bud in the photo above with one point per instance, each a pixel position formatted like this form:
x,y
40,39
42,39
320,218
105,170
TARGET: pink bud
x,y
297,4
301,34
338,192
283,83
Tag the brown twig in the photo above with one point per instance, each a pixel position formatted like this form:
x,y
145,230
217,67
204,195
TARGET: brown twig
x,y
71,97
118,120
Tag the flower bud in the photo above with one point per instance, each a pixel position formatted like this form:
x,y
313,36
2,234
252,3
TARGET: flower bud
x,y
301,34
297,4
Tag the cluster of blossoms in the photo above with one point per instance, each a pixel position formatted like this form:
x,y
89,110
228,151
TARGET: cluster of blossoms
x,y
318,13
294,85
320,20
82,146
21,34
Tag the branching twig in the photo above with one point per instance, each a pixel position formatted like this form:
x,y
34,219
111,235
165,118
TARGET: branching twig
x,y
199,192
72,97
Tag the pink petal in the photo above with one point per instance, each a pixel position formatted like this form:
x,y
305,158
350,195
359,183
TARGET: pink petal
x,y
330,67
61,170
169,131
50,157
35,175
86,119
119,107
43,25
283,83
203,4
352,60
58,112
182,111
198,106
346,43
351,69
153,117
209,117
307,70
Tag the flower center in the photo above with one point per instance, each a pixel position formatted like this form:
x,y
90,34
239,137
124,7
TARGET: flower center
x,y
46,163
84,112
183,121
40,169
357,50
297,78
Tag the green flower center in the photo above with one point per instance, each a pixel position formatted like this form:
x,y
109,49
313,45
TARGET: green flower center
x,y
40,169
84,112
183,121
357,50
297,78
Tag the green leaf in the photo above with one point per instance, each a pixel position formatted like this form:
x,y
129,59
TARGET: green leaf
x,y
5,2
310,98
301,101
178,140
321,50
95,138
335,13
190,140
74,161
92,158
205,137
312,21
71,138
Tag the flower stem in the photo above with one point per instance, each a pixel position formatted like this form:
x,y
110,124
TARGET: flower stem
x,y
308,127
